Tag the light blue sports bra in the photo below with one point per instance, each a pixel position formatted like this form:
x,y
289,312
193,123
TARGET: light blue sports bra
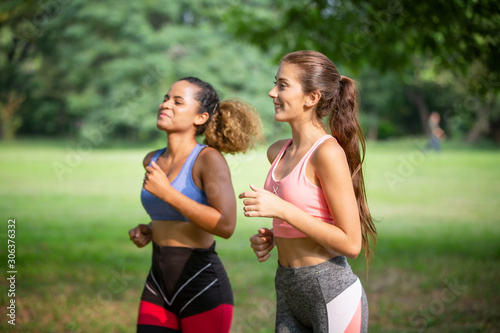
x,y
159,209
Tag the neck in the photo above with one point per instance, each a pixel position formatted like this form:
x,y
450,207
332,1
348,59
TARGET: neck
x,y
180,144
304,134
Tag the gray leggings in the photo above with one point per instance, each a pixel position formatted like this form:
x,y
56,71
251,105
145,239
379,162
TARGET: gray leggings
x,y
323,298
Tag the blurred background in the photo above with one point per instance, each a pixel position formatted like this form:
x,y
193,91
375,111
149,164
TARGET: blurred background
x,y
68,66
80,83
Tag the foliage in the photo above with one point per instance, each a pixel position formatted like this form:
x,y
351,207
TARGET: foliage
x,y
395,37
16,62
380,33
98,70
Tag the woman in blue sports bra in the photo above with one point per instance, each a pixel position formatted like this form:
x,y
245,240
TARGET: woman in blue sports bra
x,y
189,197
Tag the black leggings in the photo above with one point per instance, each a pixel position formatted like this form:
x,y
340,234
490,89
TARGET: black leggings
x,y
187,290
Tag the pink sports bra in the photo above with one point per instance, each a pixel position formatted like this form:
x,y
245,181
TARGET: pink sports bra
x,y
297,189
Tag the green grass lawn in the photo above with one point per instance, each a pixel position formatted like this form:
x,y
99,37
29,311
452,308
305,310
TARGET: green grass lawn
x,y
436,266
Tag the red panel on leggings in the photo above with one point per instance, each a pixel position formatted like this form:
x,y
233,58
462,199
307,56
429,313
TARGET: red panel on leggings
x,y
217,320
152,314
355,324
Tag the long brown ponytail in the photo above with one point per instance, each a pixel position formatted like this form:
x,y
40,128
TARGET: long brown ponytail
x,y
345,127
233,125
339,101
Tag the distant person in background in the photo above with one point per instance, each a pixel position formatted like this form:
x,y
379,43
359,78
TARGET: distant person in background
x,y
316,196
437,133
190,198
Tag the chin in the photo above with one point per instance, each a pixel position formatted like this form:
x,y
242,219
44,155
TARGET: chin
x,y
279,118
160,125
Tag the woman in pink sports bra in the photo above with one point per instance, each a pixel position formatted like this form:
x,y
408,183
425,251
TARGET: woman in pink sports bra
x,y
315,194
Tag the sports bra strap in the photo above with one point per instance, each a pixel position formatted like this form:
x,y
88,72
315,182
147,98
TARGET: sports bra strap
x,y
311,150
157,155
193,156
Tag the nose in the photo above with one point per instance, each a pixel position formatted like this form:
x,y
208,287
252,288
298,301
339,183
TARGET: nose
x,y
273,93
164,105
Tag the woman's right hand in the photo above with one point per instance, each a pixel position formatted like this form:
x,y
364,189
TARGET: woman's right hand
x,y
262,244
141,235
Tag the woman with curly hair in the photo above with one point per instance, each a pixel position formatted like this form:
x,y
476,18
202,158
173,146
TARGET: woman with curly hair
x,y
189,197
315,194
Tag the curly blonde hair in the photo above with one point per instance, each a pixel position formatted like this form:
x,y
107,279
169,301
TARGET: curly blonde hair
x,y
234,128
233,125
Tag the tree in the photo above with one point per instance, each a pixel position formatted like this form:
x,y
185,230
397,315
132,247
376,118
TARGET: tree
x,y
381,33
100,70
17,58
388,35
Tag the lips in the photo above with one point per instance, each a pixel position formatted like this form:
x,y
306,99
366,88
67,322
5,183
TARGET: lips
x,y
277,106
163,115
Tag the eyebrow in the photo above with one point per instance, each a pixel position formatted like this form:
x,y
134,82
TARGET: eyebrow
x,y
167,96
281,78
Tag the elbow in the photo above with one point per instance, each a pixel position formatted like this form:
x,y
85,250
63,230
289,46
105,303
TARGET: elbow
x,y
226,231
353,251
223,227
226,234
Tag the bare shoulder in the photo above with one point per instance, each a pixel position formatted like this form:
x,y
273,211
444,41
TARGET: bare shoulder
x,y
210,158
209,154
148,157
210,166
274,149
327,153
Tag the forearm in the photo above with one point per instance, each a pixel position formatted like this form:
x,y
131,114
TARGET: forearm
x,y
206,217
327,235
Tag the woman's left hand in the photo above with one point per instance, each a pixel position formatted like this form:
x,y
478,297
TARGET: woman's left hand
x,y
261,203
156,181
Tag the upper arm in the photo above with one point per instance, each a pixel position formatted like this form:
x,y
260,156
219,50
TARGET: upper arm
x,y
216,181
331,168
274,149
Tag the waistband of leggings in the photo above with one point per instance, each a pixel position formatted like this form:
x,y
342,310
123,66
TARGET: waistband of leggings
x,y
338,261
182,249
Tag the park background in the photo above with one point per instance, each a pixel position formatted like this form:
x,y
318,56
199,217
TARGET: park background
x,y
80,83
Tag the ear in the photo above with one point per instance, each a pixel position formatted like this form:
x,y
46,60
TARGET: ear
x,y
313,98
201,118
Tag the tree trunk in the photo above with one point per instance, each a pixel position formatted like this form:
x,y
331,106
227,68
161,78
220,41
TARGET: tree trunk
x,y
373,125
482,124
11,123
418,99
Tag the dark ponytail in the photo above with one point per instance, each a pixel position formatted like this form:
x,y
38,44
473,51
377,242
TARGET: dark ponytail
x,y
233,126
339,101
345,127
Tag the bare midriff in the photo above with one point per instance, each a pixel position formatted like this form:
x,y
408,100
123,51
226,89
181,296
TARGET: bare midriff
x,y
299,252
180,233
